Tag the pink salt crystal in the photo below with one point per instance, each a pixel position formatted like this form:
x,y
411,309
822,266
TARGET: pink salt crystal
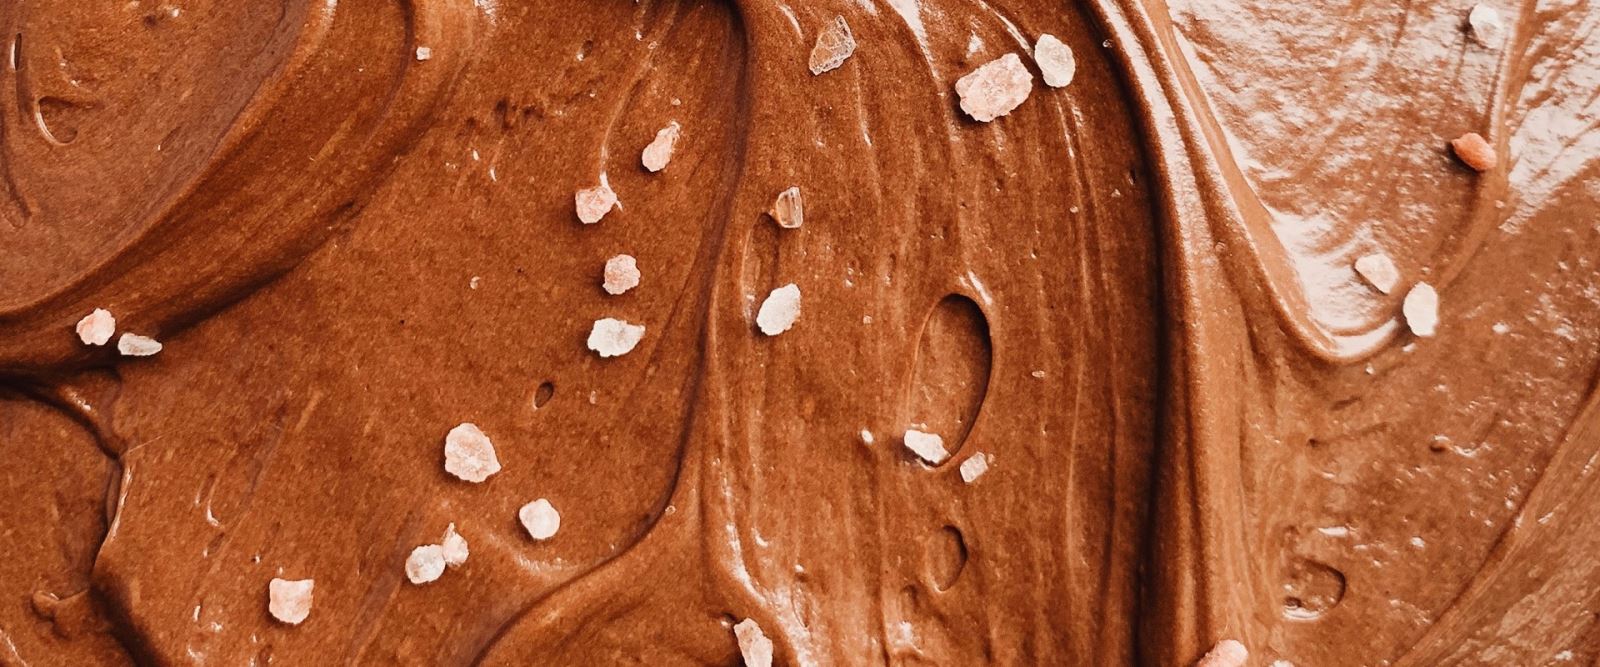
x,y
425,564
134,345
96,327
753,643
994,89
594,203
1421,310
621,275
788,210
612,337
1055,61
1227,653
927,446
834,45
453,546
780,310
469,455
289,600
540,518
659,152
1379,271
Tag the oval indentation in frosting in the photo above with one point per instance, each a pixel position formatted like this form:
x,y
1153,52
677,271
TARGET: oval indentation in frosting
x,y
543,394
950,376
1311,589
947,557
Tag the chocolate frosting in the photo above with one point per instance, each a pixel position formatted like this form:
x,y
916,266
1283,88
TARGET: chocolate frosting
x,y
1134,294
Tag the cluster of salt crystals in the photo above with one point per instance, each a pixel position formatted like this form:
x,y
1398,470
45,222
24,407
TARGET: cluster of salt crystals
x,y
1227,653
611,337
540,518
453,547
834,45
469,455
974,467
134,345
995,88
1421,309
594,203
1484,24
621,274
788,210
289,600
425,564
927,446
1055,61
1379,271
1475,151
780,310
424,53
656,156
96,327
753,643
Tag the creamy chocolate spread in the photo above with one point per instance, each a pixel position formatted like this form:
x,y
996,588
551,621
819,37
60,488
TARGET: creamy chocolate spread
x,y
354,225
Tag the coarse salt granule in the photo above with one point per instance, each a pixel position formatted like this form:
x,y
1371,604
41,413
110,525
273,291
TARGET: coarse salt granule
x,y
974,467
1379,271
1055,61
656,155
1421,309
611,337
1484,24
780,310
453,546
425,564
834,45
540,518
424,53
289,600
927,446
594,203
1227,653
788,210
96,327
134,345
994,89
469,455
621,274
753,643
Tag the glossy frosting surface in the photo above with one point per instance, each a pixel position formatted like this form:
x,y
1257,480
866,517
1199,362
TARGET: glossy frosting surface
x,y
1134,294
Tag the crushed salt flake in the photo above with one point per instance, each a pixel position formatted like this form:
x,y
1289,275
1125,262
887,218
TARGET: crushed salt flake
x,y
469,455
656,156
1227,653
612,337
1501,328
834,45
621,275
134,345
424,53
1038,374
1421,309
753,643
1475,151
867,437
927,446
779,312
453,547
1379,271
96,327
594,203
540,518
1055,61
995,89
425,564
974,467
473,284
289,600
1484,24
788,210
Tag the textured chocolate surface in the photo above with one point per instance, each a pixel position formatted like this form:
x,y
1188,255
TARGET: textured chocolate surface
x,y
1135,293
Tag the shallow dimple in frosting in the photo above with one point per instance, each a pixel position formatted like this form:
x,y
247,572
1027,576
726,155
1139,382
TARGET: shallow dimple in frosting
x,y
1135,296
